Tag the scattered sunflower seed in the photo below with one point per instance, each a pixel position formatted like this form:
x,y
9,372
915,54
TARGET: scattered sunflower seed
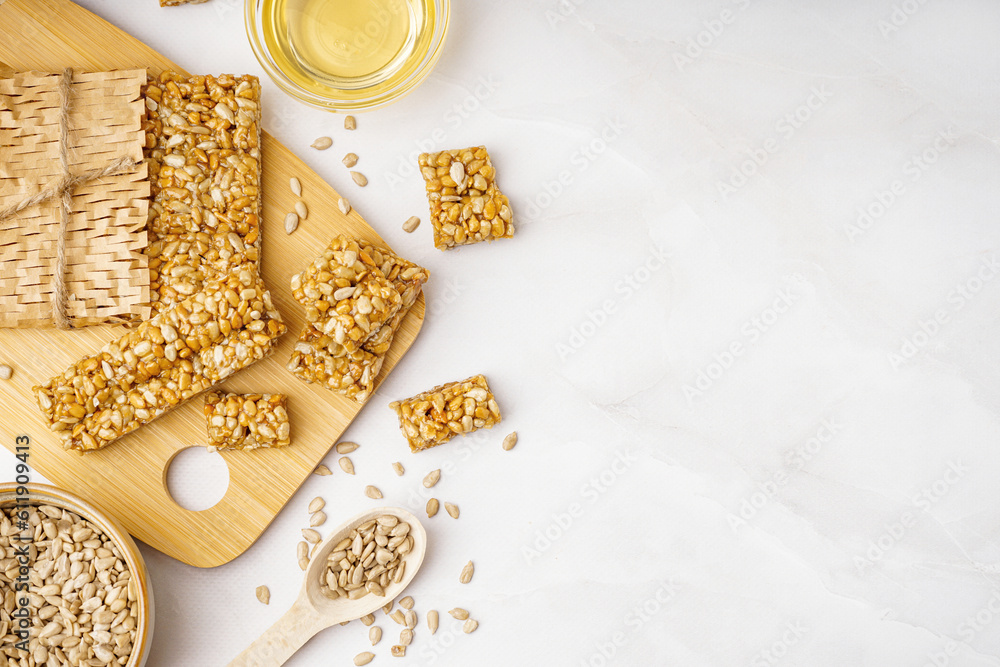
x,y
411,223
373,492
344,206
322,470
405,637
346,447
316,504
302,209
432,621
459,613
311,536
406,603
317,519
302,550
510,441
263,594
432,478
359,178
387,607
296,186
452,510
398,651
398,617
291,222
322,143
411,619
375,635
470,626
363,658
398,467
432,507
467,573
346,465
350,160
303,564
350,123
368,619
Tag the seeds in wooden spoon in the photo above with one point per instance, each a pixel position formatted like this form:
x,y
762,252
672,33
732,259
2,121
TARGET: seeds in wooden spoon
x,y
296,186
302,209
322,470
344,206
470,626
263,594
317,519
373,492
432,507
363,658
405,636
366,561
346,447
322,143
375,635
432,478
311,536
359,178
411,223
452,510
459,613
291,222
406,603
316,504
350,160
350,123
432,620
510,441
398,651
368,619
398,467
467,572
346,465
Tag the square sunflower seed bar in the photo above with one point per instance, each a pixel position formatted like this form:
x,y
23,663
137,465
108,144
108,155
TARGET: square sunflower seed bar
x,y
317,357
345,294
436,416
166,360
466,203
246,421
408,279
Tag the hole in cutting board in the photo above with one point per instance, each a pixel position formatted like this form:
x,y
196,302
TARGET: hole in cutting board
x,y
197,479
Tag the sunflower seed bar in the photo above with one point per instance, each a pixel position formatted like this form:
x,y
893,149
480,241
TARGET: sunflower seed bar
x,y
203,152
436,416
345,294
466,204
165,361
317,357
179,264
246,421
408,279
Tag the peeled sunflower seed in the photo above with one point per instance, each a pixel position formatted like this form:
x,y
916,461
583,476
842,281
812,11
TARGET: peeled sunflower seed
x,y
375,635
350,160
452,510
411,223
302,209
344,206
405,636
303,564
346,465
291,222
432,478
311,536
510,441
387,607
432,621
346,447
316,504
296,186
359,178
467,572
398,617
459,613
363,658
406,603
368,619
432,507
350,123
322,470
317,519
263,594
470,626
322,143
411,619
398,467
373,492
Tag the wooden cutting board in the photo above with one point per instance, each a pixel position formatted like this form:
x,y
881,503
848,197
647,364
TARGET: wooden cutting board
x,y
128,478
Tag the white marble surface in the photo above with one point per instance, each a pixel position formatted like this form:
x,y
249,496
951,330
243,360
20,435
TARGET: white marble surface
x,y
758,425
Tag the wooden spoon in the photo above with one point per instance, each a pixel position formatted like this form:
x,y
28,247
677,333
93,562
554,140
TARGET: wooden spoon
x,y
313,611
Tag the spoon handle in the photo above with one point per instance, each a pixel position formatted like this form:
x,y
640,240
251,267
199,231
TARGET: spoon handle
x,y
283,639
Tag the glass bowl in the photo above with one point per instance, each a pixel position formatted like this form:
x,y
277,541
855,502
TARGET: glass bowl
x,y
43,494
347,63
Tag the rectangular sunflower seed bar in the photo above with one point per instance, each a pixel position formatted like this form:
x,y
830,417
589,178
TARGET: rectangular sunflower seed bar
x,y
408,279
317,357
179,353
456,408
466,203
246,421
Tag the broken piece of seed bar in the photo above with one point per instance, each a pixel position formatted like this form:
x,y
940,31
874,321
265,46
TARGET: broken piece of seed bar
x,y
466,204
456,408
246,421
408,279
